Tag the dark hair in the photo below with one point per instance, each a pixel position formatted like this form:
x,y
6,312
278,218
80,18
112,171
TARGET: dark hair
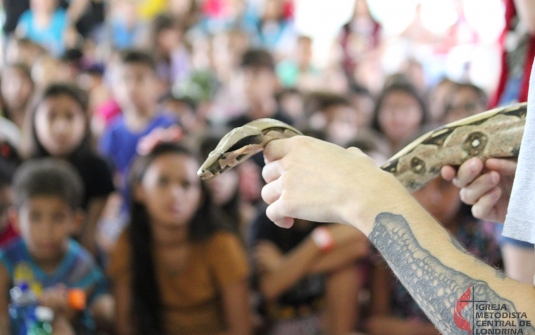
x,y
73,55
171,97
26,72
163,22
328,100
138,57
257,58
398,87
357,89
23,68
80,97
232,207
481,95
48,177
145,291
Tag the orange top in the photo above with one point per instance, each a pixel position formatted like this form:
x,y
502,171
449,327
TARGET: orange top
x,y
191,299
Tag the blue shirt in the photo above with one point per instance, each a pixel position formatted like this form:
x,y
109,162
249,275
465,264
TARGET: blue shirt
x,y
77,269
119,143
50,37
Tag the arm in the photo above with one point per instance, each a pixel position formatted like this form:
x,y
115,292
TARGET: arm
x,y
76,10
103,311
340,257
391,325
380,290
526,11
4,301
306,258
236,307
121,295
89,231
293,267
420,252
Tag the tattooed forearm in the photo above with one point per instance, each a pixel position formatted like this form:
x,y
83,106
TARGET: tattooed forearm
x,y
440,290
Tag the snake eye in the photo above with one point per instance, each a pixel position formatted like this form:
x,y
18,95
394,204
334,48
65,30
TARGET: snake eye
x,y
248,140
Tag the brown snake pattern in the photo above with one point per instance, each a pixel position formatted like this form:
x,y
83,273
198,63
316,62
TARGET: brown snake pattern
x,y
494,133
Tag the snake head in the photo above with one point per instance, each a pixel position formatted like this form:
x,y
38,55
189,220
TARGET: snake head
x,y
234,148
242,143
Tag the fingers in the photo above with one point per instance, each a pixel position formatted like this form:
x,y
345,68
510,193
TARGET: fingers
x,y
276,149
275,212
448,172
504,167
485,207
271,192
472,193
272,171
468,171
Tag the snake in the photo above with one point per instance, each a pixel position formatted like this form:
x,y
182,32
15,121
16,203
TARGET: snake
x,y
496,133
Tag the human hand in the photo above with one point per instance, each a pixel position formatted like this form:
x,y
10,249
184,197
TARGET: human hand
x,y
318,181
55,298
485,185
267,256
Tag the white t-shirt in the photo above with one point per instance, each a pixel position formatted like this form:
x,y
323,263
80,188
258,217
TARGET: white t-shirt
x,y
520,219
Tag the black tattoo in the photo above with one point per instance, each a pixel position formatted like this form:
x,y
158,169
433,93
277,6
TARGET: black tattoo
x,y
438,288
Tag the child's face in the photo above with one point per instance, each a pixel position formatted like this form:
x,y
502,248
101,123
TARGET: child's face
x,y
400,116
341,124
45,223
168,40
259,83
171,190
441,199
363,106
465,102
137,86
16,88
60,125
41,6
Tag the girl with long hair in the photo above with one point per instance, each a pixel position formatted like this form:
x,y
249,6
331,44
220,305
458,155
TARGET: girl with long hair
x,y
177,268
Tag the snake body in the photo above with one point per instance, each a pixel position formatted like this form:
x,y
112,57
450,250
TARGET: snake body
x,y
494,133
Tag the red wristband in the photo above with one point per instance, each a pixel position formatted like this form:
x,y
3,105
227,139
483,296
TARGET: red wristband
x,y
322,238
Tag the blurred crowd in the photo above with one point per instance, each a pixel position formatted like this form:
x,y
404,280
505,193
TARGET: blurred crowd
x,y
108,108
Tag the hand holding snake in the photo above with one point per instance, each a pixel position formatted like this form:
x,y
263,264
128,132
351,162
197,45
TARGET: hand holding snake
x,y
319,181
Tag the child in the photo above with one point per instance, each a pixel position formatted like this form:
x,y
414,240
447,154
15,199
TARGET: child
x,y
172,56
17,92
464,100
225,191
175,269
399,113
307,276
261,85
60,128
45,24
337,118
47,197
136,91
